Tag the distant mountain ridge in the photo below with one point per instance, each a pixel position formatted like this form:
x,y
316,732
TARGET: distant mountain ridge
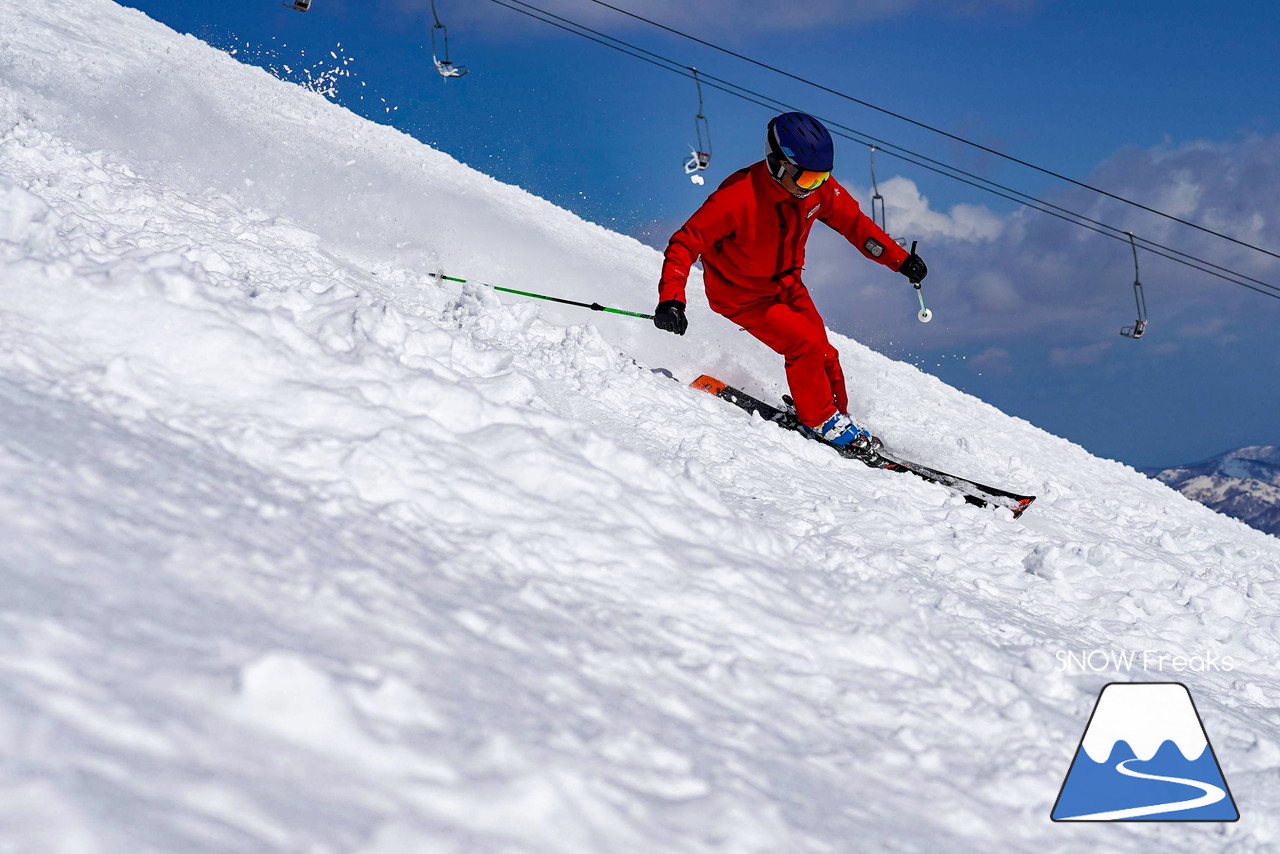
x,y
1243,484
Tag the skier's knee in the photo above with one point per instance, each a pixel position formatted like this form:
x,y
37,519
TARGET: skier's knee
x,y
811,345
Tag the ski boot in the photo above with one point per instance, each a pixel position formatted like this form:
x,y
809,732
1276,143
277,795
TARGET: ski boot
x,y
852,441
849,438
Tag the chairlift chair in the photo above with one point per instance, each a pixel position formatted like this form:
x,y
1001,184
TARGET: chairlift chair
x,y
444,67
697,161
1139,327
699,156
297,5
1135,331
448,69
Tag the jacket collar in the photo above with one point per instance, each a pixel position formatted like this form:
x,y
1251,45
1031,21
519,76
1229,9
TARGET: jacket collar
x,y
774,190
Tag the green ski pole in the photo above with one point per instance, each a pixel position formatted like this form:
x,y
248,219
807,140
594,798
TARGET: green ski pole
x,y
594,306
924,315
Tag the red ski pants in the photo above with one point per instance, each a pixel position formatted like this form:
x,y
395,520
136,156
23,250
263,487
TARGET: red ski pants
x,y
792,327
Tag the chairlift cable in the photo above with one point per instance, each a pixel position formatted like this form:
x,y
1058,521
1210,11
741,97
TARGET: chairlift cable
x,y
1106,230
990,186
939,131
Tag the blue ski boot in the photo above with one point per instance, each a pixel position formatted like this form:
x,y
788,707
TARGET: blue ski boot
x,y
839,430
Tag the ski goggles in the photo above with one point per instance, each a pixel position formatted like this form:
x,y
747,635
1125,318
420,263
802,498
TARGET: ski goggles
x,y
806,179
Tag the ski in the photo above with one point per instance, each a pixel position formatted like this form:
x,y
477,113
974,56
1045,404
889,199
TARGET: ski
x,y
973,492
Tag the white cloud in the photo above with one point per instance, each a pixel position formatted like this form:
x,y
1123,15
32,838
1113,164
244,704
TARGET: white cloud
x,y
993,360
1180,196
1073,357
1204,329
995,291
907,212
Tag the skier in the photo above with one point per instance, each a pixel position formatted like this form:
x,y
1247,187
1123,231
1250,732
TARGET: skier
x,y
750,234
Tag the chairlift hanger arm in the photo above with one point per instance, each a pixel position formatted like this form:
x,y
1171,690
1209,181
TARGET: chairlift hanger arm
x,y
1139,327
878,215
700,122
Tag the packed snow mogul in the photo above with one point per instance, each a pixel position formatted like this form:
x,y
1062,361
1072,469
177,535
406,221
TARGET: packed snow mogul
x,y
750,234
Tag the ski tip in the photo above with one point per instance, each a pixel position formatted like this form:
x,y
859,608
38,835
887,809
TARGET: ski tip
x,y
1023,504
708,384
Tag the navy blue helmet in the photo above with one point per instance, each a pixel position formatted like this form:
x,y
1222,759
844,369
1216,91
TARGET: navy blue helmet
x,y
801,140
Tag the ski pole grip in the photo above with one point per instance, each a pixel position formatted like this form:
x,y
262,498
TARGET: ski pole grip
x,y
913,251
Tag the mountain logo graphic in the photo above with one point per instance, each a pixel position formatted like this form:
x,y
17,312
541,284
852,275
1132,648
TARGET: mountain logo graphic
x,y
1145,756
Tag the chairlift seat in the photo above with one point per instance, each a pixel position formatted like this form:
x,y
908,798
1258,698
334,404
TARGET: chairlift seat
x,y
448,69
299,5
697,161
1136,331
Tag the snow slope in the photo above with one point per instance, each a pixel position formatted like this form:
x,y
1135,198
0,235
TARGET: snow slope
x,y
302,552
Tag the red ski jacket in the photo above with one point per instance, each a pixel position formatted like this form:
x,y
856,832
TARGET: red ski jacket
x,y
751,232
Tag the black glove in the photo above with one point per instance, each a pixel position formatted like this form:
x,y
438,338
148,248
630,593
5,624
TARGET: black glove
x,y
914,269
669,315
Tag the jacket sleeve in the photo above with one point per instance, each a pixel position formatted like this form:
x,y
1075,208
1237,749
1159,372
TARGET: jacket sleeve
x,y
845,216
707,225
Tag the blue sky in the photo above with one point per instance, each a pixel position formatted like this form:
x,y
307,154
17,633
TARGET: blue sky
x,y
1169,103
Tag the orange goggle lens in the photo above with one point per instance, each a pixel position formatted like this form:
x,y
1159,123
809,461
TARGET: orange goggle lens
x,y
807,180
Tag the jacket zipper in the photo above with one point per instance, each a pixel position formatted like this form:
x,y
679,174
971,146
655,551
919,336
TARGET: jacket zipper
x,y
781,265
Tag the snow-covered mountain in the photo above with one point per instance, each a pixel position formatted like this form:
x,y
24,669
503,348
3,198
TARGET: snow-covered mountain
x,y
302,551
1244,484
